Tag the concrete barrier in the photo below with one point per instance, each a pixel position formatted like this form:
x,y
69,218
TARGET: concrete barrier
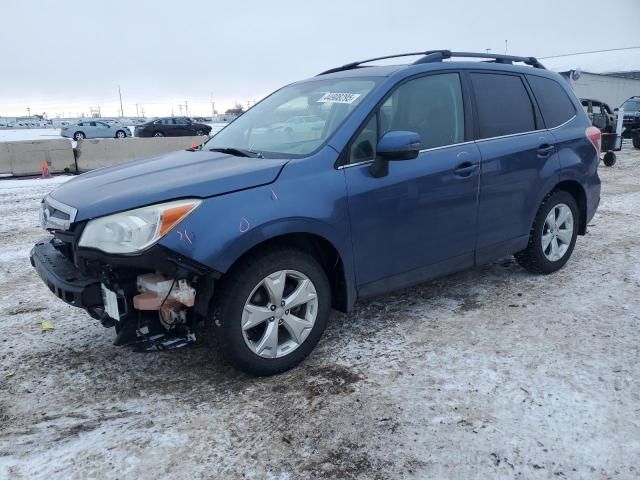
x,y
25,157
104,152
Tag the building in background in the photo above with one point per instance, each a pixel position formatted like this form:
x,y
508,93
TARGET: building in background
x,y
611,77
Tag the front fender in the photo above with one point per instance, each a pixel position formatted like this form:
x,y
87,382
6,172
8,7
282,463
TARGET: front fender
x,y
308,197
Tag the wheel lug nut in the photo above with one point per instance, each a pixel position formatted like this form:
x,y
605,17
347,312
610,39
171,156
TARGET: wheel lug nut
x,y
272,319
273,307
282,303
286,312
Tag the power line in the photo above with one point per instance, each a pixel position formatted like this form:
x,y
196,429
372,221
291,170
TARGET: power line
x,y
592,51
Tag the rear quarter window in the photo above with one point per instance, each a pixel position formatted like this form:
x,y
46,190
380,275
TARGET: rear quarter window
x,y
555,105
504,106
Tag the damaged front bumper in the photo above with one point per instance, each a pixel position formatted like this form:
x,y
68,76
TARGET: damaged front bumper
x,y
155,295
63,278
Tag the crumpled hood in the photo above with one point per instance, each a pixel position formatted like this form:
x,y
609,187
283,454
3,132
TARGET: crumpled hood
x,y
174,175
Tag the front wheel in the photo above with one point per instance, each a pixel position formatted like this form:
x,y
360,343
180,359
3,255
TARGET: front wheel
x,y
200,133
158,134
273,309
120,134
553,235
635,138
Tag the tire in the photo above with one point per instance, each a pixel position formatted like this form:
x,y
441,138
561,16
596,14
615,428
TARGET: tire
x,y
79,136
635,138
121,134
199,133
158,134
537,259
245,286
609,159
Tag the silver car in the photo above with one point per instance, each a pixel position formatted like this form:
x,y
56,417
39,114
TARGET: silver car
x,y
95,129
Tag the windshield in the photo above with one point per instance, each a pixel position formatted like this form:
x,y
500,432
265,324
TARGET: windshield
x,y
631,105
295,120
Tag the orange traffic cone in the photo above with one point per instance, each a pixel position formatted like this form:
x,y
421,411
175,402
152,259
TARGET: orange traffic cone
x,y
194,144
44,167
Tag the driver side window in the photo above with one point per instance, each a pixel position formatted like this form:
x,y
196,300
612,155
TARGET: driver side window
x,y
431,106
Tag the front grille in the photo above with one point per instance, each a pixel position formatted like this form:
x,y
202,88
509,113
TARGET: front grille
x,y
56,215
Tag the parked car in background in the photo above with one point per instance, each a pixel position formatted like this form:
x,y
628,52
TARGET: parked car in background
x,y
172,127
600,114
631,120
421,170
94,129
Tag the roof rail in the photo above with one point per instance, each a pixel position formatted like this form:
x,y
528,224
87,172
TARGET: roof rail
x,y
431,56
352,65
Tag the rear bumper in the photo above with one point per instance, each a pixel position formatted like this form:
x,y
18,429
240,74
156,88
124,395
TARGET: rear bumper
x,y
63,278
593,200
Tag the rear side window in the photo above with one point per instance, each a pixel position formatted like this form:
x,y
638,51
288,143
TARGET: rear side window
x,y
504,106
554,103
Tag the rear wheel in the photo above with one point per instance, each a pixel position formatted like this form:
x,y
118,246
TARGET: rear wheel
x,y
78,136
158,134
120,134
199,133
273,309
553,235
635,138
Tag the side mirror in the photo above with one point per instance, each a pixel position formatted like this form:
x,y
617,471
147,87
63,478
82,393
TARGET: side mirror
x,y
616,109
394,146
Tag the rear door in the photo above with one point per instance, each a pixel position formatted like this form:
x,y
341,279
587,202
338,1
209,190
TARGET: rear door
x,y
418,221
91,129
518,156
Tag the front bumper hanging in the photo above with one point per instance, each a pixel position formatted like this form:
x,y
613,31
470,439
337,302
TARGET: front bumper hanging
x,y
63,278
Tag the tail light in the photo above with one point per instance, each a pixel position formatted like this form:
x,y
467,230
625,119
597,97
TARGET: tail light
x,y
595,137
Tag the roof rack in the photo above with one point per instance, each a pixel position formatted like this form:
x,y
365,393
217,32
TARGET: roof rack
x,y
431,56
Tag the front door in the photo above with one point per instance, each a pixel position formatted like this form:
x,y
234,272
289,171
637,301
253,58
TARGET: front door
x,y
419,221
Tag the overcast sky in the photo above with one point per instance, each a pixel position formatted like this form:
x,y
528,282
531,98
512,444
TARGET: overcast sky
x,y
61,56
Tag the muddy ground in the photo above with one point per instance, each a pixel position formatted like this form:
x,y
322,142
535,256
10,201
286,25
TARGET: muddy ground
x,y
491,373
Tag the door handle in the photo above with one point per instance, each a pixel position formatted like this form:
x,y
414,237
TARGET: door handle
x,y
465,169
545,150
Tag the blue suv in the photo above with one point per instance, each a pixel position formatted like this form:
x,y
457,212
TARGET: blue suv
x,y
361,180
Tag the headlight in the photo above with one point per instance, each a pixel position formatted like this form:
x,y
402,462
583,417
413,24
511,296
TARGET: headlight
x,y
135,230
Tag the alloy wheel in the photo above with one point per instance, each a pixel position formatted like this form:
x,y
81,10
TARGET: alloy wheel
x,y
557,232
279,314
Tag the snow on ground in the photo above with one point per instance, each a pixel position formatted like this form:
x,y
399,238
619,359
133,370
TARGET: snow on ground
x,y
18,134
490,373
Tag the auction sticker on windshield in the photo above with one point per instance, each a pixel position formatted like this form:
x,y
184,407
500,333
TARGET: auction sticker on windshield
x,y
331,97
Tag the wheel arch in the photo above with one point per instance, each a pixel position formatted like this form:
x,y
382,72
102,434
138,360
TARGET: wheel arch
x,y
576,190
323,250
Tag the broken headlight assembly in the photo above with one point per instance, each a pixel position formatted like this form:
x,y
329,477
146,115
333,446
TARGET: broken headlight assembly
x,y
135,230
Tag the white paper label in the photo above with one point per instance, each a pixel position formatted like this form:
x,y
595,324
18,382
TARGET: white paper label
x,y
110,300
333,97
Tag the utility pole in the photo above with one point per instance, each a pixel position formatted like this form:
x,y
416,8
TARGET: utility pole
x,y
487,50
180,107
29,111
186,109
120,95
213,107
142,110
137,114
506,46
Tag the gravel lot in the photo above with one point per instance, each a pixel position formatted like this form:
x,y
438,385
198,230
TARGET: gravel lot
x,y
491,373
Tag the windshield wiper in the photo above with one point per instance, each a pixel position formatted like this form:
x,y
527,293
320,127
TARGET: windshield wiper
x,y
238,152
